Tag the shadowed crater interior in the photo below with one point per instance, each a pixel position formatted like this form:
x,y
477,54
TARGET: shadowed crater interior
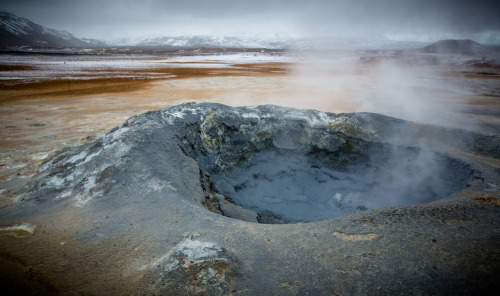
x,y
263,165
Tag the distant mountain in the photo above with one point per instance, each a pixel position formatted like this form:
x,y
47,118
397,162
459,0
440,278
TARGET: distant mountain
x,y
197,41
455,47
477,55
18,32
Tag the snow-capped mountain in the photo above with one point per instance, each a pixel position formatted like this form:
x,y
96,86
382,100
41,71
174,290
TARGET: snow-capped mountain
x,y
16,32
275,42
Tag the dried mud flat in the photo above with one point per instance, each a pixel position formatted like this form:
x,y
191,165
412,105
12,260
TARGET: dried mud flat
x,y
41,117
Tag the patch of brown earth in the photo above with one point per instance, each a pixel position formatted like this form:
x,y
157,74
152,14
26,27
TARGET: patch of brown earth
x,y
39,117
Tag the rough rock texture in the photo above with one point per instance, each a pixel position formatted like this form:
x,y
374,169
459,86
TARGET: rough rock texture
x,y
288,166
138,211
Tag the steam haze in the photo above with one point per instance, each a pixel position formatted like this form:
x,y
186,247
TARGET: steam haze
x,y
335,81
422,20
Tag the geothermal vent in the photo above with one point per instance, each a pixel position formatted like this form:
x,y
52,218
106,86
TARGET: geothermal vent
x,y
264,164
271,164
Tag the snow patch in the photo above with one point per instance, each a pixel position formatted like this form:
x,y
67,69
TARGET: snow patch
x,y
77,157
56,181
115,135
173,116
90,184
191,251
64,195
161,185
250,115
170,115
18,231
82,199
90,157
320,118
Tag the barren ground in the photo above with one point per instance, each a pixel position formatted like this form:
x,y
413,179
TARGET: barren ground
x,y
39,116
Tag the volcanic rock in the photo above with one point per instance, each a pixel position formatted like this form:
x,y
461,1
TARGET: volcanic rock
x,y
188,200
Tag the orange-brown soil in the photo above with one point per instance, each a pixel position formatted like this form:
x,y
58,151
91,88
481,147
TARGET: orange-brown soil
x,y
39,117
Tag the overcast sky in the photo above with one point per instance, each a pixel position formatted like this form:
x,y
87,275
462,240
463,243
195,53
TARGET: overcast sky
x,y
427,20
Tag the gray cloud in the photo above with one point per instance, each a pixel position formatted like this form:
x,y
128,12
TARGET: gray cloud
x,y
112,19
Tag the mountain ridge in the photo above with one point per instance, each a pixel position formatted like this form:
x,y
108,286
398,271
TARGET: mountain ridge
x,y
21,34
18,32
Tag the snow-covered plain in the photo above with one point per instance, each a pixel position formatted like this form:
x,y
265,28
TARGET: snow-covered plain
x,y
73,67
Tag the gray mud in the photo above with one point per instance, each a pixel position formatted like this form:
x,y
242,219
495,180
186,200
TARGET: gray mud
x,y
293,171
144,210
314,186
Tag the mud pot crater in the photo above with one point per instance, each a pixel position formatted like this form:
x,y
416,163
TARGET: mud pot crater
x,y
275,165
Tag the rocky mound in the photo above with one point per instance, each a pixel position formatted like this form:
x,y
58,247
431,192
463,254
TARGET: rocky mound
x,y
454,47
173,201
267,164
487,56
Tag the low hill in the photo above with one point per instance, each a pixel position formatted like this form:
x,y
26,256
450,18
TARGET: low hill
x,y
455,47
